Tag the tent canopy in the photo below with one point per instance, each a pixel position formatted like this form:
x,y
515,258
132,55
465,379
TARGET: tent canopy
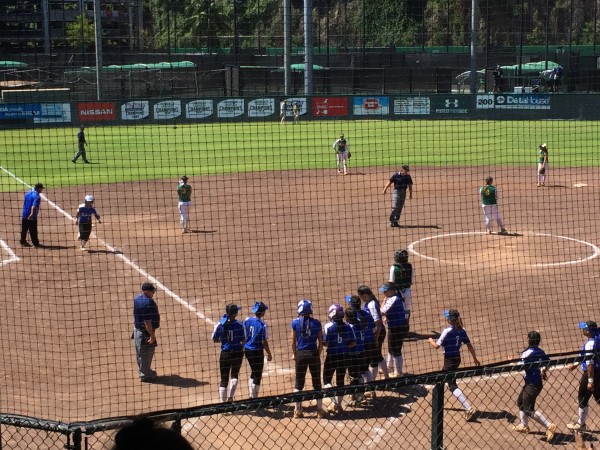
x,y
12,65
301,67
530,68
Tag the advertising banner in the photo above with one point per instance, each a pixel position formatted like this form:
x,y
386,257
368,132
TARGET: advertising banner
x,y
412,105
169,109
199,109
514,101
329,106
302,106
53,113
230,108
371,106
96,111
20,110
135,110
261,107
458,104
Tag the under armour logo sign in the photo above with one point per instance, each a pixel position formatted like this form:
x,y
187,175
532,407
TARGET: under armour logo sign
x,y
450,103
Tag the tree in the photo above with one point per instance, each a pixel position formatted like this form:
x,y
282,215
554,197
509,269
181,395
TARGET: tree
x,y
81,33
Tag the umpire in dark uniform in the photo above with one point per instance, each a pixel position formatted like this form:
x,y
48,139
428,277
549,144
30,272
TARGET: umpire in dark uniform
x,y
146,320
401,181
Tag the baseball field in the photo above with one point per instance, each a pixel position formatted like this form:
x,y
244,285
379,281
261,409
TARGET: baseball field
x,y
273,221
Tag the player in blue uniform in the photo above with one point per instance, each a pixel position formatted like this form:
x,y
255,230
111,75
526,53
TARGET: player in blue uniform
x,y
257,343
83,219
393,309
534,377
358,364
231,334
81,143
590,378
307,344
339,339
402,182
373,308
451,339
29,216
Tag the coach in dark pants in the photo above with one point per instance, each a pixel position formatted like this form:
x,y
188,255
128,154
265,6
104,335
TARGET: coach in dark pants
x,y
146,320
401,181
31,208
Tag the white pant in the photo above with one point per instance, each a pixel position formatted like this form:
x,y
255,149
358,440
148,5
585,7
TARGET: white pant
x,y
184,211
491,213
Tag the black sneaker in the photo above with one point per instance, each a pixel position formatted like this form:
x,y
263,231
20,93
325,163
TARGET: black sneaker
x,y
86,162
394,225
25,244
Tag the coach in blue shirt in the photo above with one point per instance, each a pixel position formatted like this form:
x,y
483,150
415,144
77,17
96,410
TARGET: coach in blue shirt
x,y
31,208
146,320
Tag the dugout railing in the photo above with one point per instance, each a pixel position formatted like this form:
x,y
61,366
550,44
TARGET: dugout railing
x,y
415,411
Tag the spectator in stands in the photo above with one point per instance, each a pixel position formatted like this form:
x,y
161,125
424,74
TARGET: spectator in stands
x,y
498,76
144,434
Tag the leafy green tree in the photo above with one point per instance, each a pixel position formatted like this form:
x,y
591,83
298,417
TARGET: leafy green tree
x,y
81,33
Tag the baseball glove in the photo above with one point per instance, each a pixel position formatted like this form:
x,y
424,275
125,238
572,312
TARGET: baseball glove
x,y
349,155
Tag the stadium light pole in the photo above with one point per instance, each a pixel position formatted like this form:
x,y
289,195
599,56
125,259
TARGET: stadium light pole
x,y
308,48
287,45
473,78
98,32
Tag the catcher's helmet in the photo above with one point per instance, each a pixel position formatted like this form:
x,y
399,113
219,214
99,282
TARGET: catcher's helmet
x,y
305,307
336,312
401,256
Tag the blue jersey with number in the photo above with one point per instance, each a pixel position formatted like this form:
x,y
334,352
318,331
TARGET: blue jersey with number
x,y
307,331
367,325
451,340
230,334
256,333
359,337
337,337
533,375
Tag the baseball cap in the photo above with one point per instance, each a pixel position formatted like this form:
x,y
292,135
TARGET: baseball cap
x,y
38,186
147,286
387,287
232,309
89,198
590,325
353,300
405,167
544,145
451,314
184,178
259,307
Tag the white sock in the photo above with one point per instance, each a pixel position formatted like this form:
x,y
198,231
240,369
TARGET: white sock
x,y
461,398
233,387
223,394
583,413
298,405
373,372
383,367
398,362
256,388
524,418
390,362
250,389
539,418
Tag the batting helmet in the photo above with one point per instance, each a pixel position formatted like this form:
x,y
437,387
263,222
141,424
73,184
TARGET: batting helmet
x,y
259,307
401,256
305,307
336,312
89,198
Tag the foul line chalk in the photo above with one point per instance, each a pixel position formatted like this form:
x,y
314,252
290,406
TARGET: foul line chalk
x,y
12,255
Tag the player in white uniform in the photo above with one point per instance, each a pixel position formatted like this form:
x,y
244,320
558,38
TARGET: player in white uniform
x,y
341,150
542,167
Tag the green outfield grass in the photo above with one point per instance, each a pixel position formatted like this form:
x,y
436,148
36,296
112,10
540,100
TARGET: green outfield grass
x,y
137,152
